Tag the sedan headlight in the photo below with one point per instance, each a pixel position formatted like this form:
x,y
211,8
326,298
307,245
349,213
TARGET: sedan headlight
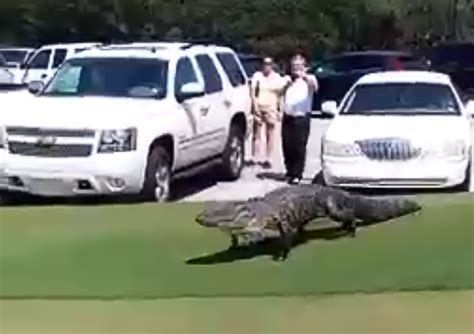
x,y
340,150
124,140
3,137
455,149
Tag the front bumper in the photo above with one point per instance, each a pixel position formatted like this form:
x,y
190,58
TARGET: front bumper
x,y
99,174
363,173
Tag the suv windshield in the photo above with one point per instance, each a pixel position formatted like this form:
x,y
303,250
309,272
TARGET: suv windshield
x,y
401,99
115,77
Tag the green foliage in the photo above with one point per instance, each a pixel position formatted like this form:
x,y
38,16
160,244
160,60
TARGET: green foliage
x,y
272,26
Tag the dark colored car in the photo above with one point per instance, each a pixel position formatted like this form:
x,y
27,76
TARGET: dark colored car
x,y
337,74
456,60
251,63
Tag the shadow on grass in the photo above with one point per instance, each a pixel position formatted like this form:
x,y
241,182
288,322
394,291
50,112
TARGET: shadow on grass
x,y
266,247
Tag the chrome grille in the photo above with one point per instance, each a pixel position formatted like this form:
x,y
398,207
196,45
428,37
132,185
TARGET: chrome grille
x,y
389,149
53,151
29,131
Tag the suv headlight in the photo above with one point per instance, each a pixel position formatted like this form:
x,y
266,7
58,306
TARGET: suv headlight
x,y
334,149
124,140
455,149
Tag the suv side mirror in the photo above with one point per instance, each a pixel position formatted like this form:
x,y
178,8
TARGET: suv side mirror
x,y
329,107
34,87
191,90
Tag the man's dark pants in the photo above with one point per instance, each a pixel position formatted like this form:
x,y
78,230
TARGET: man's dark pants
x,y
295,133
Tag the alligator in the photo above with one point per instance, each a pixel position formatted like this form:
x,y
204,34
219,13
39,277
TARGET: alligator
x,y
282,214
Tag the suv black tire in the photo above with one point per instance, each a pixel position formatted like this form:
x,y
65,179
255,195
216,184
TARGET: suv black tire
x,y
157,184
234,155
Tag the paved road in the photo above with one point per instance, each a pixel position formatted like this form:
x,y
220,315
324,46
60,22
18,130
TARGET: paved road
x,y
250,185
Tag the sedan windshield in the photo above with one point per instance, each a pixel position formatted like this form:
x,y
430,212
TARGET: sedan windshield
x,y
114,77
401,99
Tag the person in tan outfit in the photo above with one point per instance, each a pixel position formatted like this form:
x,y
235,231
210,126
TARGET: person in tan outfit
x,y
266,89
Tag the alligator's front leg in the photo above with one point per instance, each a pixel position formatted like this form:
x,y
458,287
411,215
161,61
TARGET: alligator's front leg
x,y
285,241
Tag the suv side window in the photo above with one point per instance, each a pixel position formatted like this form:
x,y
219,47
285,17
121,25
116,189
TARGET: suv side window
x,y
41,60
59,56
212,79
231,68
184,74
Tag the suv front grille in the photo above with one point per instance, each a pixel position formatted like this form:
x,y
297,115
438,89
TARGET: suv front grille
x,y
39,132
389,149
53,151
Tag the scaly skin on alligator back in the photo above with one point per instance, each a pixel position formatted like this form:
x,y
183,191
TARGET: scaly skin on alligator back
x,y
284,213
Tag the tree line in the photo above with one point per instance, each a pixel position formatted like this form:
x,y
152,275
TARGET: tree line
x,y
264,26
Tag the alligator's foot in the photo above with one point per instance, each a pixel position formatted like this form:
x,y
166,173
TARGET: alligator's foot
x,y
351,229
234,242
281,255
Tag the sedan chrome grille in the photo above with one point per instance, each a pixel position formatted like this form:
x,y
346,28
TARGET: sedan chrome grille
x,y
389,149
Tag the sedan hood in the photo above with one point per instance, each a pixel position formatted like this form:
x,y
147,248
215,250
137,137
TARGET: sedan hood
x,y
429,129
77,112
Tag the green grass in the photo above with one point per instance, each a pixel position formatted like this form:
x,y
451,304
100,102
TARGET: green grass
x,y
140,251
445,312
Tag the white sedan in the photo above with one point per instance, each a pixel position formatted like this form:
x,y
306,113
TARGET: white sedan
x,y
402,129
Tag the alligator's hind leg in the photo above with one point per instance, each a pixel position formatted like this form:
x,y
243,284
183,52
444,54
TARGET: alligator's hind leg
x,y
344,215
234,241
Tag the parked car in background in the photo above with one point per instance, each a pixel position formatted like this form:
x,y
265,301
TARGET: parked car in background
x,y
47,59
456,60
16,56
399,130
251,63
6,75
127,119
15,59
337,74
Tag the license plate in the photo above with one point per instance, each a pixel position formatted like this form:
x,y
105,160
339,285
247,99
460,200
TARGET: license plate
x,y
51,187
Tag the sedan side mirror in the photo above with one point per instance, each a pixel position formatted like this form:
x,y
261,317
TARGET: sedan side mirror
x,y
470,107
35,87
329,107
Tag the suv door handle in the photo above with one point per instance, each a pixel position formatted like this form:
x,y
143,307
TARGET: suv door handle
x,y
227,103
204,111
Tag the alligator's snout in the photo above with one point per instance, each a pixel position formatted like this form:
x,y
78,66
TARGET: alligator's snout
x,y
204,220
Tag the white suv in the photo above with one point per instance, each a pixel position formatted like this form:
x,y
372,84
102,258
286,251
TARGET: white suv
x,y
46,60
126,119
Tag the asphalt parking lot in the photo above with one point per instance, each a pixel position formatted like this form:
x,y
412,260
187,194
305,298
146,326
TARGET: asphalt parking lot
x,y
257,182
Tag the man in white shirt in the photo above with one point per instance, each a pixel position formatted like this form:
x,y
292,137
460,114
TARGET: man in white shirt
x,y
297,104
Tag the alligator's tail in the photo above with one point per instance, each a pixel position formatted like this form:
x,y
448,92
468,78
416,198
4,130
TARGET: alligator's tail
x,y
370,210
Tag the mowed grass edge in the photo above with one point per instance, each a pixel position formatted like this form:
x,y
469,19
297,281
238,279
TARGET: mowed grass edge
x,y
140,252
417,312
